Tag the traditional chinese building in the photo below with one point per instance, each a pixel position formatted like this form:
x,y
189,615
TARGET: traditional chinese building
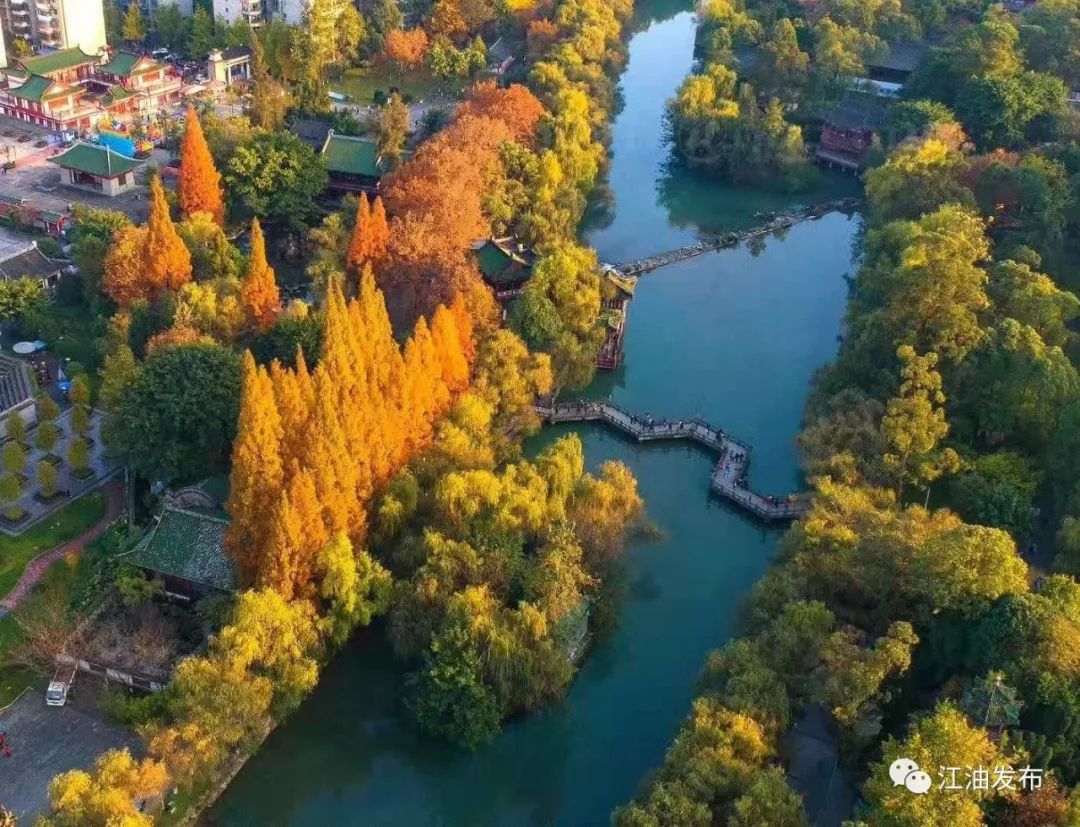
x,y
353,164
616,292
70,90
505,264
96,168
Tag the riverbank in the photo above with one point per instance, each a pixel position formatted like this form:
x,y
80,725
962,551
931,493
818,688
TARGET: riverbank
x,y
733,336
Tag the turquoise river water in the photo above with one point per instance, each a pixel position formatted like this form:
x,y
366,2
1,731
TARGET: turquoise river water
x,y
732,336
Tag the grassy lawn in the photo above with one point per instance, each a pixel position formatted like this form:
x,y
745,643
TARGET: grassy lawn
x,y
13,679
361,83
16,552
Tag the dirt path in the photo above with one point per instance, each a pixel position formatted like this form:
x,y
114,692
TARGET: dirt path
x,y
114,507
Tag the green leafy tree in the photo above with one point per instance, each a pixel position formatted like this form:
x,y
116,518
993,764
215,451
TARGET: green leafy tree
x,y
19,297
1015,387
91,238
393,129
14,457
559,312
15,428
783,69
914,422
769,800
46,477
47,409
449,697
79,456
178,418
171,27
10,491
275,176
201,35
997,490
48,434
1012,110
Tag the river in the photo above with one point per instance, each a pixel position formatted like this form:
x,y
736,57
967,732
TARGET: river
x,y
732,336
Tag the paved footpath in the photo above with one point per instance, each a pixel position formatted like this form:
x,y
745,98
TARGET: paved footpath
x,y
36,568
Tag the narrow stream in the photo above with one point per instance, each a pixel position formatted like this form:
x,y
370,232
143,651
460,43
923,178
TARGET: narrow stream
x,y
732,336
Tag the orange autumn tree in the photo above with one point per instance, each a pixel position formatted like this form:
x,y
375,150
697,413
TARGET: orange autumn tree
x,y
168,262
124,276
257,476
437,198
405,49
199,188
312,448
259,291
371,236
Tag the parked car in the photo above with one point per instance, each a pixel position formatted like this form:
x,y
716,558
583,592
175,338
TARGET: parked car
x,y
60,686
23,138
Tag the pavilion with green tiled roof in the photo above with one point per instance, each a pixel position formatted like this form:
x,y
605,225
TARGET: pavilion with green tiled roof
x,y
353,163
504,263
58,61
95,160
97,167
186,548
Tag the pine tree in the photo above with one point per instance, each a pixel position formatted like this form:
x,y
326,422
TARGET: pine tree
x,y
294,408
257,477
168,262
358,253
280,569
371,236
464,323
379,242
451,353
304,499
259,292
199,189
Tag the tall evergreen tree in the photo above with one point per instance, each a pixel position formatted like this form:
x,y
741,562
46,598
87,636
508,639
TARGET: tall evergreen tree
x,y
168,262
259,292
257,477
199,188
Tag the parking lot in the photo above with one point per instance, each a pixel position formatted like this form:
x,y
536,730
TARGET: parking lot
x,y
46,741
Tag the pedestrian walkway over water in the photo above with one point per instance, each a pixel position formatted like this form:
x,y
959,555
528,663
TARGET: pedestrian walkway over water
x,y
771,223
729,476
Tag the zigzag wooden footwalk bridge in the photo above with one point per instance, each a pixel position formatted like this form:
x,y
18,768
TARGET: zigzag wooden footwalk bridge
x,y
772,223
728,478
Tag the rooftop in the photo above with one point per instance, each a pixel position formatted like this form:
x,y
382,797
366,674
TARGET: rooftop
x,y
311,131
125,63
188,543
34,88
345,154
503,259
901,57
16,385
56,61
28,263
95,160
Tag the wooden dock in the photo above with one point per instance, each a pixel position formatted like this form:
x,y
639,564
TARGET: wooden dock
x,y
728,478
772,223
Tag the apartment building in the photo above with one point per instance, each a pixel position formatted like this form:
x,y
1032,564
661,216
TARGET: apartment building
x,y
56,24
249,11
